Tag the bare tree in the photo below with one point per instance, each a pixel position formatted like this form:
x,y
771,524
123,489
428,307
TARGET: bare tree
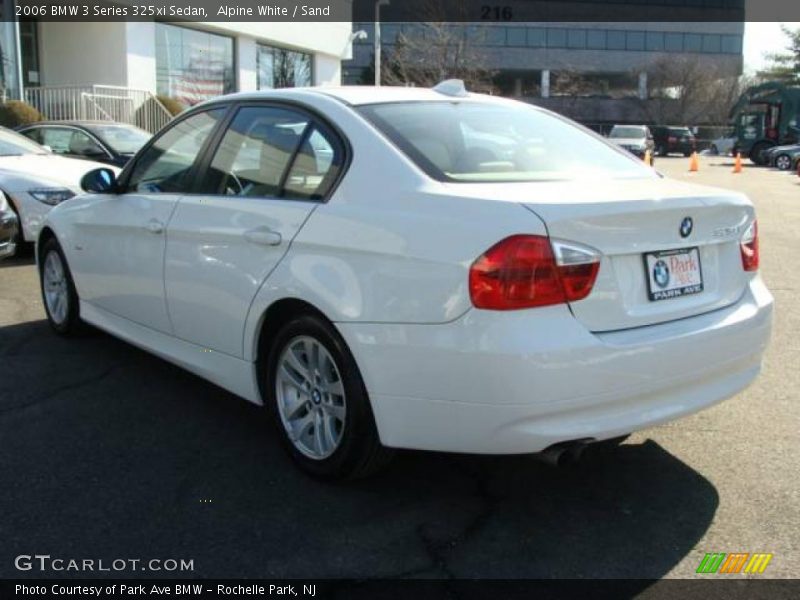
x,y
432,51
688,90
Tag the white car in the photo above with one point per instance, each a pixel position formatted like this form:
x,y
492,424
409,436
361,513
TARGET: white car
x,y
408,292
34,180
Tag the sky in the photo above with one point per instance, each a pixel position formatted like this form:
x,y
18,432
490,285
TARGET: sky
x,y
761,38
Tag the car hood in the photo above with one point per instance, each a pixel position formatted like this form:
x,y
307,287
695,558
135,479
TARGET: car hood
x,y
18,172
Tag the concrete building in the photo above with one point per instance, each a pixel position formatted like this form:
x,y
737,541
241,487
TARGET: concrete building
x,y
41,61
614,61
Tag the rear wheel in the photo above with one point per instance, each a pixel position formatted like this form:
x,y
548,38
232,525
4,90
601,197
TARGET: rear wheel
x,y
319,404
58,290
783,162
714,150
661,151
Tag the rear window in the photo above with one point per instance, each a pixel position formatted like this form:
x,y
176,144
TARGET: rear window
x,y
469,141
681,131
627,132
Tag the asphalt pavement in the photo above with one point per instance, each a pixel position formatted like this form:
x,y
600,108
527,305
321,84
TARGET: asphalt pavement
x,y
109,453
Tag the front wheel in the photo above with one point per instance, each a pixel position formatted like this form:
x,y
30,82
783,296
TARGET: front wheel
x,y
58,290
319,404
783,162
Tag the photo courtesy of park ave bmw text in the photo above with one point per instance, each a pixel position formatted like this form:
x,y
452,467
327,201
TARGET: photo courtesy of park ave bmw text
x,y
400,298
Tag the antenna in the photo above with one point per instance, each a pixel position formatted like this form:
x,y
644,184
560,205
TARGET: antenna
x,y
451,87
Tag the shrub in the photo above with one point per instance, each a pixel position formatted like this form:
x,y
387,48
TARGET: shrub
x,y
14,113
175,107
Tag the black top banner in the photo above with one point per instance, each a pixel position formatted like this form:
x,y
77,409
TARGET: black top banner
x,y
394,589
473,11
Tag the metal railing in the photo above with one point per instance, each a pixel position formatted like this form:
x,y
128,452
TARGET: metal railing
x,y
100,103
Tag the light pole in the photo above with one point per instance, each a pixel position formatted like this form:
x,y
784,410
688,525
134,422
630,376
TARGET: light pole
x,y
378,5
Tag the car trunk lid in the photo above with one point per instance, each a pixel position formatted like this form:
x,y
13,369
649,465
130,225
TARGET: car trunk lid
x,y
627,219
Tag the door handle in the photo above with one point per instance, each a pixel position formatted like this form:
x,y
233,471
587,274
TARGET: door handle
x,y
263,236
155,226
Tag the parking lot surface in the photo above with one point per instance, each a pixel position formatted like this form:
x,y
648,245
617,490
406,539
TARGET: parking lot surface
x,y
108,453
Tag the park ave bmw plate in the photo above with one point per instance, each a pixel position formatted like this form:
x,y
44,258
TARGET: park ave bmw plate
x,y
673,273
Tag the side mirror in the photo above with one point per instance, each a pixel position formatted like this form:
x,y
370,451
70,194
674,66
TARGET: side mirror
x,y
99,181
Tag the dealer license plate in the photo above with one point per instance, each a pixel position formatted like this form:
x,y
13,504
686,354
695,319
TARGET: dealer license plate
x,y
673,274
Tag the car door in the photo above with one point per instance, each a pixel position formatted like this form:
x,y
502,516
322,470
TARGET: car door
x,y
121,240
271,167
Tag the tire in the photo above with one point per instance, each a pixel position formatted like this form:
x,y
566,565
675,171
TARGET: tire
x,y
687,154
661,151
58,291
714,150
757,153
312,386
783,162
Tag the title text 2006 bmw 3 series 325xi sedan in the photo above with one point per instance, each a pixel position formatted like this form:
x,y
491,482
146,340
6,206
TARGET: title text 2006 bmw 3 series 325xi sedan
x,y
408,268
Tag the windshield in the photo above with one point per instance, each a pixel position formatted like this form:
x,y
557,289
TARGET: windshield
x,y
14,144
627,132
122,139
483,141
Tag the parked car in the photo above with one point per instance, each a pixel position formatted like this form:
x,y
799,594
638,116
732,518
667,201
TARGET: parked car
x,y
33,179
412,291
9,228
636,139
671,140
723,146
783,158
101,141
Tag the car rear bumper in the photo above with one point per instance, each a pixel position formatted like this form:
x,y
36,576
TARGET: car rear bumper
x,y
519,381
8,231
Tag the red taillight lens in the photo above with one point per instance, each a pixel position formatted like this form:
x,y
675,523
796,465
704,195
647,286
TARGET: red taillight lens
x,y
522,271
672,139
749,248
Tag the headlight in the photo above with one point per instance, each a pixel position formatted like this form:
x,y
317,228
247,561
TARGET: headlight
x,y
52,196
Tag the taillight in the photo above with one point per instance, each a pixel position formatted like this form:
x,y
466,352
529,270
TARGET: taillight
x,y
526,271
749,247
672,139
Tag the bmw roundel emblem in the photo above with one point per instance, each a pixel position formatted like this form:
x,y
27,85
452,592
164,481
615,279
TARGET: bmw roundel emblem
x,y
661,274
686,227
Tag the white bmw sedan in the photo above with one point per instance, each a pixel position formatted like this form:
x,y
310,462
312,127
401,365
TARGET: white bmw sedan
x,y
409,268
33,179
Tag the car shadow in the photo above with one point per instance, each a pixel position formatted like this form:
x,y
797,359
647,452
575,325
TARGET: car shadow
x,y
110,452
23,260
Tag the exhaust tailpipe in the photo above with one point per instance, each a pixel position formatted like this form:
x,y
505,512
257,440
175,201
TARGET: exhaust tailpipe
x,y
563,453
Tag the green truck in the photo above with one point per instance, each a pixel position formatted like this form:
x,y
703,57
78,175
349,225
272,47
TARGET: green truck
x,y
766,115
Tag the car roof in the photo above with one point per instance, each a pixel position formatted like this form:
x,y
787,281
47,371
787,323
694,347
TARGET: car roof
x,y
357,95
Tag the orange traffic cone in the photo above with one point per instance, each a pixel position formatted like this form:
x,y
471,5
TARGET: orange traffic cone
x,y
694,164
737,165
648,158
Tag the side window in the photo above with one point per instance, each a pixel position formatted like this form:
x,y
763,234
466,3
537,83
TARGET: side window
x,y
34,134
57,138
255,152
81,144
316,166
165,166
275,152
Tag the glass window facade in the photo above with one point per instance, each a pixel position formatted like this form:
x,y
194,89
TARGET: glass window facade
x,y
192,65
280,68
9,68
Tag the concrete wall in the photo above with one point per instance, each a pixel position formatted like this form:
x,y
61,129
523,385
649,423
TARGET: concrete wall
x,y
83,53
124,53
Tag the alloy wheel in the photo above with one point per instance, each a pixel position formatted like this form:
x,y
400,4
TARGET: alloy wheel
x,y
783,162
56,292
311,399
